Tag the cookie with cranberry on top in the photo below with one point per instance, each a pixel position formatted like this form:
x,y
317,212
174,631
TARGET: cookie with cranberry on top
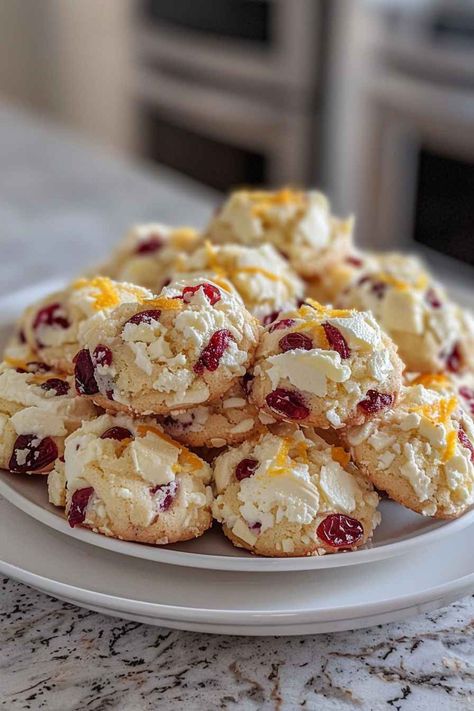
x,y
150,253
52,326
421,452
125,478
184,348
288,493
320,367
262,277
38,409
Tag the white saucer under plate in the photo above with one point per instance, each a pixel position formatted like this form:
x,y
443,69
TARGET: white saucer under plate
x,y
230,602
401,530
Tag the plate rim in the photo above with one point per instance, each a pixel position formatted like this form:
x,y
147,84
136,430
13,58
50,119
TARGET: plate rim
x,y
262,617
206,561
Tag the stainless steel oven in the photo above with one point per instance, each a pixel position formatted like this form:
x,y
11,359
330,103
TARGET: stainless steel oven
x,y
230,89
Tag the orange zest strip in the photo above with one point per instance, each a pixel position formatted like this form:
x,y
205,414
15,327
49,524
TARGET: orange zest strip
x,y
340,456
186,456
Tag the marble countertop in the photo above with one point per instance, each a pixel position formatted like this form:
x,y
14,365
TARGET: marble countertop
x,y
62,205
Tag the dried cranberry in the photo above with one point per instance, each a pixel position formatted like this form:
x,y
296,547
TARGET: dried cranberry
x,y
118,433
468,395
247,383
166,494
433,299
21,336
32,454
79,502
213,352
245,468
102,355
466,442
256,527
378,288
270,318
292,341
289,403
212,293
284,323
149,245
340,531
86,383
34,367
375,401
336,340
453,361
50,316
145,317
61,387
355,261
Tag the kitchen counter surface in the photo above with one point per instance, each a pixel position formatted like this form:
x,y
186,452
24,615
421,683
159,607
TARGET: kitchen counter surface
x,y
60,200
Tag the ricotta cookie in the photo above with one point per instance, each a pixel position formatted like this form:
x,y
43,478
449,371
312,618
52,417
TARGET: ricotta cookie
x,y
325,368
150,254
52,327
292,495
263,278
328,287
299,224
420,452
184,348
126,479
230,420
431,332
448,384
38,409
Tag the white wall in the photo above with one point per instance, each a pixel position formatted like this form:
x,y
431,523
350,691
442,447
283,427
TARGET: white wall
x,y
72,59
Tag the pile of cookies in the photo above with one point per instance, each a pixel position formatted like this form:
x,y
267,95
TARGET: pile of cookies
x,y
264,374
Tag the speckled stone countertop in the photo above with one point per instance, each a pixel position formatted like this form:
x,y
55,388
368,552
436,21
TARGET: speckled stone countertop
x,y
62,204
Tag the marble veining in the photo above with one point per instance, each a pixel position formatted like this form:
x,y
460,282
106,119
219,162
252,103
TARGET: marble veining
x,y
58,657
62,205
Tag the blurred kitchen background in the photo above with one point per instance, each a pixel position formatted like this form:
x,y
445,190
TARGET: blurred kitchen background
x,y
372,101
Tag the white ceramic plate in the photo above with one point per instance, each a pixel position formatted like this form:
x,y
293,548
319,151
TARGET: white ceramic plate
x,y
234,603
401,530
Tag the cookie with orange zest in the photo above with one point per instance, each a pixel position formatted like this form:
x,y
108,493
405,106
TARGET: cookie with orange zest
x,y
150,253
183,348
421,452
299,224
125,478
38,409
288,493
324,367
52,327
262,277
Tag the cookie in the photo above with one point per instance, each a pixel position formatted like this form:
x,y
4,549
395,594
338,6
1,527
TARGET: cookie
x,y
184,348
150,253
421,452
261,276
325,368
229,420
298,224
17,349
52,327
38,409
432,333
291,494
328,287
126,479
448,384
